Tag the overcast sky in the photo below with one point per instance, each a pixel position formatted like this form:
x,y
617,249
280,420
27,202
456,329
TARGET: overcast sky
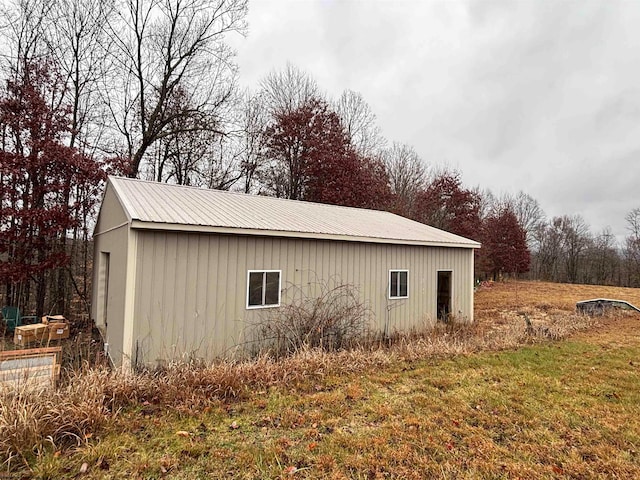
x,y
538,95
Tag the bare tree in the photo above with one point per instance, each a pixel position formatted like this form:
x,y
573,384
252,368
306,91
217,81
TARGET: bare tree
x,y
527,210
407,175
165,48
193,154
252,140
548,253
603,259
359,122
75,42
23,23
633,223
286,91
632,248
153,75
486,201
575,239
78,44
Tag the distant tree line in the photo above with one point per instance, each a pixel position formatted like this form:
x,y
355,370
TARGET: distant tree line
x,y
148,89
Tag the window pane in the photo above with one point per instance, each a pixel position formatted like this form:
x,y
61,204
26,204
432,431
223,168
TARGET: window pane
x,y
393,291
272,296
403,283
255,288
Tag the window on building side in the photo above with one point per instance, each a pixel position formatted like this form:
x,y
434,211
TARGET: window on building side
x,y
398,283
263,288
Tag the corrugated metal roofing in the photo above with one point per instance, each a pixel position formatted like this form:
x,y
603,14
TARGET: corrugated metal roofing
x,y
160,205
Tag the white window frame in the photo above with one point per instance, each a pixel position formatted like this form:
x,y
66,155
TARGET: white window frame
x,y
397,297
253,307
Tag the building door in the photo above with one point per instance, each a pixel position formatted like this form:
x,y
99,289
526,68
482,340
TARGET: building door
x,y
103,289
444,295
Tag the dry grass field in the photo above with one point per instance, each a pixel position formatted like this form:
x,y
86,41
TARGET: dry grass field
x,y
544,296
560,400
501,305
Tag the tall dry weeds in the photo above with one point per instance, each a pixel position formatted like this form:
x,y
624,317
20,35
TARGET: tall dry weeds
x,y
92,398
34,419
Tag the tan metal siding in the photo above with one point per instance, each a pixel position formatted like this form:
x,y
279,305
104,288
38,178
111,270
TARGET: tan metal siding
x,y
191,288
111,236
111,213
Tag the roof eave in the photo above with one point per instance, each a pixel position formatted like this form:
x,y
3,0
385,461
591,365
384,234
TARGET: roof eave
x,y
142,225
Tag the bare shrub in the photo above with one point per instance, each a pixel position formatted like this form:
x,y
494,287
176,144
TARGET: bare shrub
x,y
333,319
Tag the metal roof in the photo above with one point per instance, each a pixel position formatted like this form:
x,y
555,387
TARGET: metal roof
x,y
152,205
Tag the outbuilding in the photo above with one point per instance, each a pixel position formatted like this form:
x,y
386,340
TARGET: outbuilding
x,y
185,271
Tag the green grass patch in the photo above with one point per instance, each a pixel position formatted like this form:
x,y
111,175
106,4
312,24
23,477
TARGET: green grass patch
x,y
559,410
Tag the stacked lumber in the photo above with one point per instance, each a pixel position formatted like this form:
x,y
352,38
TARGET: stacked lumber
x,y
40,333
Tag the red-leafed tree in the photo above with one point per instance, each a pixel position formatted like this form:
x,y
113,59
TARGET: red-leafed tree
x,y
373,180
349,180
45,186
311,159
504,245
295,140
447,205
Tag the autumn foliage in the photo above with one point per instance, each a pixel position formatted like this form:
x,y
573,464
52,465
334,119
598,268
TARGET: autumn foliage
x,y
312,159
505,248
44,184
446,204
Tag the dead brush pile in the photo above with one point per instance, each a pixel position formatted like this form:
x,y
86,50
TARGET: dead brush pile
x,y
91,399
